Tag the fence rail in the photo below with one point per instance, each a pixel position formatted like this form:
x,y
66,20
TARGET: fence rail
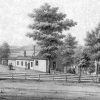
x,y
65,77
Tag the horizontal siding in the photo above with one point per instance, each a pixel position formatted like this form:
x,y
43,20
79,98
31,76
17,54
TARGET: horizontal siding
x,y
40,67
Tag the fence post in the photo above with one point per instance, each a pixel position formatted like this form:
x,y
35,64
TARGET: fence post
x,y
25,76
97,78
39,77
12,76
80,72
66,77
53,77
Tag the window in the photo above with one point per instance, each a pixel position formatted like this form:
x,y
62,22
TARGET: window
x,y
21,63
31,64
17,62
36,62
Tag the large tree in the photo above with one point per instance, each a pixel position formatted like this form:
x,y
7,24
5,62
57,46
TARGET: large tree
x,y
0,54
93,43
84,60
48,25
70,44
5,49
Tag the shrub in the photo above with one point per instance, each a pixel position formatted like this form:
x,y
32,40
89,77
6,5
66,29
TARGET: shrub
x,y
71,70
91,68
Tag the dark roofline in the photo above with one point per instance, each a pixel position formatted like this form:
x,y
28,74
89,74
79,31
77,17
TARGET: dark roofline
x,y
10,58
24,58
40,58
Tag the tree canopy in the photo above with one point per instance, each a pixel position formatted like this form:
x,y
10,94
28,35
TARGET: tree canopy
x,y
70,44
5,49
48,25
82,57
93,42
84,60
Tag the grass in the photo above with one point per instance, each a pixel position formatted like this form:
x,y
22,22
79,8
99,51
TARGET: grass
x,y
34,90
46,90
5,69
29,98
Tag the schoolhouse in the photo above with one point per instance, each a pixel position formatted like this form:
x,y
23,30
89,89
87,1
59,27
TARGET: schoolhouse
x,y
38,63
28,62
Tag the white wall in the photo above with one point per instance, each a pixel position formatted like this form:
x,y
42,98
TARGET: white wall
x,y
12,61
24,66
41,65
23,63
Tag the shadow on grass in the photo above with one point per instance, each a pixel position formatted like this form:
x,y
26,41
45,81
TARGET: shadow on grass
x,y
5,97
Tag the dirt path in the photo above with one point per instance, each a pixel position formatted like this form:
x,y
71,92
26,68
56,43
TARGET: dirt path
x,y
50,90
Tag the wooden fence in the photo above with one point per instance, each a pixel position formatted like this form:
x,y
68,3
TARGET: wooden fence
x,y
61,77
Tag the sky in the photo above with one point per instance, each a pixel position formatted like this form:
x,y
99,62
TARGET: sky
x,y
14,19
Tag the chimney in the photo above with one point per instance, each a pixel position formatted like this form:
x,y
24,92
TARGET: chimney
x,y
33,51
24,53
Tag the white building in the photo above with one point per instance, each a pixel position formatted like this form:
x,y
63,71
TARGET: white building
x,y
34,63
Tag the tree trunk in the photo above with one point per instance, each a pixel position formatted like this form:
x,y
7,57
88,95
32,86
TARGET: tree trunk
x,y
80,72
49,68
65,69
97,72
49,65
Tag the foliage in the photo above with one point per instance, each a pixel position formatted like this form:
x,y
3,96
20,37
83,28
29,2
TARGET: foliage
x,y
47,28
5,49
93,43
84,63
71,70
70,41
84,60
78,54
68,51
91,68
0,54
82,57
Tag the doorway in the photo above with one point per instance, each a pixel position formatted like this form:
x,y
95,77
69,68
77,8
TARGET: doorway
x,y
28,65
54,65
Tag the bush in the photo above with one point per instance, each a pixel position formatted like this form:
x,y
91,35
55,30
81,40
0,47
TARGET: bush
x,y
91,68
71,70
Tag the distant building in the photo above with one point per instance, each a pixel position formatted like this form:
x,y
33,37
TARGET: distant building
x,y
35,63
38,63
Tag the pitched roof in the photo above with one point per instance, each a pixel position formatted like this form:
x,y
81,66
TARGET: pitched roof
x,y
10,58
25,58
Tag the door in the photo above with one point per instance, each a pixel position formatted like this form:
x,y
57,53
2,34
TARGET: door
x,y
28,65
54,65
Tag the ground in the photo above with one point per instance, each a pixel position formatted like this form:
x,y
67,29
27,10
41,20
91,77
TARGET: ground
x,y
47,90
34,90
5,69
